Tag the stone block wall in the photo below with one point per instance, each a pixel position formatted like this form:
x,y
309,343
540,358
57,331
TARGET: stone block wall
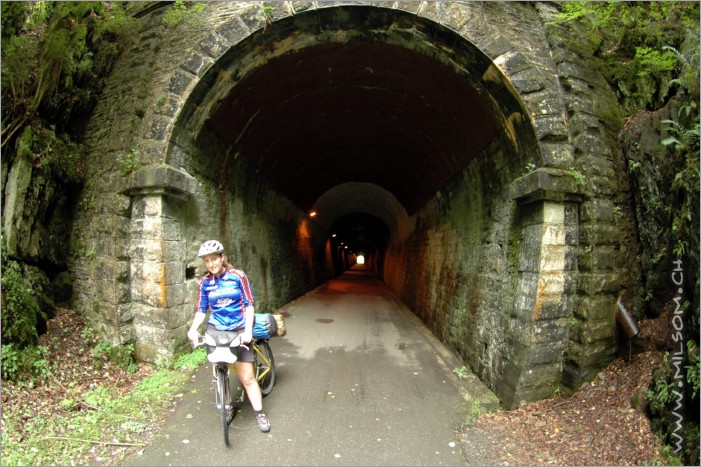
x,y
606,248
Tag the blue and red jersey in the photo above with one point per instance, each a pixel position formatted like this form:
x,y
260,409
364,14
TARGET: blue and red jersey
x,y
227,296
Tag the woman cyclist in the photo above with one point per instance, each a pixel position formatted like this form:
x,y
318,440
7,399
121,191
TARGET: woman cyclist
x,y
227,293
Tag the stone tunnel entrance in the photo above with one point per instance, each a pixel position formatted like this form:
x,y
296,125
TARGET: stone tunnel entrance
x,y
334,132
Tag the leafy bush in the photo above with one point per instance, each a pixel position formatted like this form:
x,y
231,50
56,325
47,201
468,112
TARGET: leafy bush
x,y
56,56
683,136
20,309
182,11
11,362
674,407
27,364
121,355
637,43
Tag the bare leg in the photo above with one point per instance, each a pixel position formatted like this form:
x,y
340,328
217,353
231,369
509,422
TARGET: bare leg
x,y
248,379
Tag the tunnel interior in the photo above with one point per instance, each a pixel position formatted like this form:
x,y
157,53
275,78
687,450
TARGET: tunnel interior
x,y
358,234
358,115
355,112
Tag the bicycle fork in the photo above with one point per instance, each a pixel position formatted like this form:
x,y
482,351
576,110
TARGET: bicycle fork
x,y
219,398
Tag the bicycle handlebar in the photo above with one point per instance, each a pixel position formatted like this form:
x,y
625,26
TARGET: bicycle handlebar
x,y
236,342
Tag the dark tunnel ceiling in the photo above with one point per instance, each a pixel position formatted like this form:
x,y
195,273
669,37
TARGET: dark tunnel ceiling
x,y
356,111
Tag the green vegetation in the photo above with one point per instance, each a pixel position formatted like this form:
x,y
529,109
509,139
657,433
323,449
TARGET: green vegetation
x,y
473,411
183,12
56,57
29,363
48,443
461,372
639,45
129,162
122,355
668,402
266,12
192,360
20,308
649,53
579,178
683,137
99,418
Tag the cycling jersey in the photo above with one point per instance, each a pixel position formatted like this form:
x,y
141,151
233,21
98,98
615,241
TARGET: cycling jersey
x,y
227,296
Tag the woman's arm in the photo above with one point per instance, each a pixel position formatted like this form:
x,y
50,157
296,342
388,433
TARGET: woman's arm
x,y
249,314
194,333
200,312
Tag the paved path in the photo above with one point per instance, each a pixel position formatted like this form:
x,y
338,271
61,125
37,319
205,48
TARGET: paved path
x,y
360,381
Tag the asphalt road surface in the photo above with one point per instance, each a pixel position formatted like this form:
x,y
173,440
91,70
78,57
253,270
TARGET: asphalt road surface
x,y
359,381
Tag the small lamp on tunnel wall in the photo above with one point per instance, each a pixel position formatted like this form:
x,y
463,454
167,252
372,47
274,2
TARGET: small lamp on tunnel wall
x,y
312,214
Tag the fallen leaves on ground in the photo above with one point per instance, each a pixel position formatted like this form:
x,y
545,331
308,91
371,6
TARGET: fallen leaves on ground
x,y
73,372
597,425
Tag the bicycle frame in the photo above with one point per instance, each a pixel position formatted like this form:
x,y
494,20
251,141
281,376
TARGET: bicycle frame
x,y
268,363
264,368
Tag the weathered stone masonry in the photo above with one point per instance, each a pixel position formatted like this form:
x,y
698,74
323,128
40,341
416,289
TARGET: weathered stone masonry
x,y
506,264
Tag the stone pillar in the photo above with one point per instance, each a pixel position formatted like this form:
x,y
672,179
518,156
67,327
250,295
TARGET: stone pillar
x,y
158,258
547,218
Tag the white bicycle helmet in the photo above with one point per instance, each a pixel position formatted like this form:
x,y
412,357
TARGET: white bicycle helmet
x,y
210,247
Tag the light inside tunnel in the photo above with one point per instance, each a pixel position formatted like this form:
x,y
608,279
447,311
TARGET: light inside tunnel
x,y
361,259
356,128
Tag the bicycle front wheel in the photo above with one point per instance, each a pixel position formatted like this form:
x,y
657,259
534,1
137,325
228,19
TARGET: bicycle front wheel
x,y
264,367
224,401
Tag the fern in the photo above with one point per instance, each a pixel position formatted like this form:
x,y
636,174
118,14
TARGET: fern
x,y
49,59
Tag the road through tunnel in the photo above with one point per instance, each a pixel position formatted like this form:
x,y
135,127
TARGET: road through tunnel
x,y
302,139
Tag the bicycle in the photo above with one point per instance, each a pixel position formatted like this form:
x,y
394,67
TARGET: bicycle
x,y
223,359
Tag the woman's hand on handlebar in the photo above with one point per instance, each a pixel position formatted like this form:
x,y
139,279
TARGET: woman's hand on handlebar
x,y
194,337
246,337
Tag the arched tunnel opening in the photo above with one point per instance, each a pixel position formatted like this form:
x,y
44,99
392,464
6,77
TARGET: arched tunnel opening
x,y
364,131
335,113
347,125
355,112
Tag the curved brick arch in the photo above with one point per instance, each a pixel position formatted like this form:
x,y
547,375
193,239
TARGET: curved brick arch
x,y
227,56
452,35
